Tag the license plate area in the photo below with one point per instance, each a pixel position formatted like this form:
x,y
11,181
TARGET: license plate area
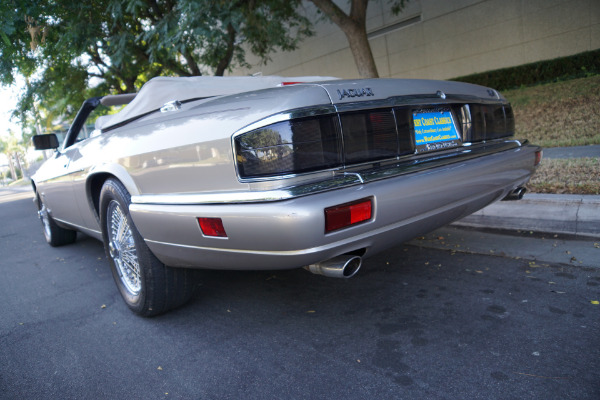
x,y
434,129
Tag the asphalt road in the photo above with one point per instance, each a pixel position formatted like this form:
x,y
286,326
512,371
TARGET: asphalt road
x,y
415,323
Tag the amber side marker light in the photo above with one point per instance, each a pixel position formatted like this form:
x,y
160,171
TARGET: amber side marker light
x,y
212,227
348,214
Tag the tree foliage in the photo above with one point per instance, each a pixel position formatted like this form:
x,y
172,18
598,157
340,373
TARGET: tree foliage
x,y
69,50
215,33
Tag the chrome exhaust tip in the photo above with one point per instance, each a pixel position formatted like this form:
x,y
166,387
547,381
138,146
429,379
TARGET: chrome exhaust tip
x,y
516,194
344,266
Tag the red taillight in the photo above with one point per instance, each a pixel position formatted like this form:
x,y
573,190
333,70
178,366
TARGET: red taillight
x,y
212,227
347,214
290,83
538,157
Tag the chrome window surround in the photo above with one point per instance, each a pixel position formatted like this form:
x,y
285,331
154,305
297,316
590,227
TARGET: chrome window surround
x,y
339,180
467,124
392,102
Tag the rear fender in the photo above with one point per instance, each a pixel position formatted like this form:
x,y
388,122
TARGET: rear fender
x,y
99,175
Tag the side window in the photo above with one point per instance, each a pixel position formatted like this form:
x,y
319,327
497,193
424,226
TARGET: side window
x,y
85,132
84,125
88,129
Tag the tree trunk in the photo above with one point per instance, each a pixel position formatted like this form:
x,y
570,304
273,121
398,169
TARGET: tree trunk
x,y
19,166
11,165
361,51
355,28
226,60
191,63
24,167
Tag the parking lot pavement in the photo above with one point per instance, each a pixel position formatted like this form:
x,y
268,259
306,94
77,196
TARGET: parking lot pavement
x,y
416,322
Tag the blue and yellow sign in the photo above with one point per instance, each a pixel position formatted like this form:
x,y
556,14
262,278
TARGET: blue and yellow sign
x,y
435,130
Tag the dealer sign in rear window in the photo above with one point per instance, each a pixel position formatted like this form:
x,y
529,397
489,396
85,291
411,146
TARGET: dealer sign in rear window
x,y
434,130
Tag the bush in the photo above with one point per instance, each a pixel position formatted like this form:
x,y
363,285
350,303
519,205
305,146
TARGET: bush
x,y
559,69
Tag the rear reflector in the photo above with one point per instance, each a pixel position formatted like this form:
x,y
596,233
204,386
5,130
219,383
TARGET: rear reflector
x,y
212,227
348,214
538,157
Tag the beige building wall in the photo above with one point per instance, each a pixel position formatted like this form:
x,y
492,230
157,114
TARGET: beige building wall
x,y
442,39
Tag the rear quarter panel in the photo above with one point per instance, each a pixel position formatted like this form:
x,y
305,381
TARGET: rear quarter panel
x,y
189,150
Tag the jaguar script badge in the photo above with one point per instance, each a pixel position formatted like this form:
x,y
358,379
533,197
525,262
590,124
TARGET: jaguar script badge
x,y
355,92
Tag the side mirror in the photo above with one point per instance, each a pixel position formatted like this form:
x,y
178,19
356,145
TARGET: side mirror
x,y
45,142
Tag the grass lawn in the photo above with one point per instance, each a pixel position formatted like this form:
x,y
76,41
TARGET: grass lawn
x,y
561,114
573,176
20,182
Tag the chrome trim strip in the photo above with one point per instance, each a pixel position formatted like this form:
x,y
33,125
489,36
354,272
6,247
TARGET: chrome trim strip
x,y
237,251
77,227
273,119
285,176
286,116
356,174
247,196
393,168
422,100
212,198
467,124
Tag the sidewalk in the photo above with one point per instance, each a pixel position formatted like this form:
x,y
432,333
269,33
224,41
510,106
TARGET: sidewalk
x,y
13,193
577,215
573,152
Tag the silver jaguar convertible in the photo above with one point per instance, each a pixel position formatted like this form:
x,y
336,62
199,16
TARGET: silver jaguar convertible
x,y
272,173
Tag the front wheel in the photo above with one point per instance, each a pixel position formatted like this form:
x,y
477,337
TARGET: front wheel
x,y
147,285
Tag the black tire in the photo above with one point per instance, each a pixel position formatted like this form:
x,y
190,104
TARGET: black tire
x,y
148,286
54,234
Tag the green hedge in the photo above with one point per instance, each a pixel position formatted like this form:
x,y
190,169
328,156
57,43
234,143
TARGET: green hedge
x,y
558,69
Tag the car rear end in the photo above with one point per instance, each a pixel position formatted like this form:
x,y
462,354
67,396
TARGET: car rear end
x,y
380,163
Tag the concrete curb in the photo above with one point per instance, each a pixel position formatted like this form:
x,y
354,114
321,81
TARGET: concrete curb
x,y
577,215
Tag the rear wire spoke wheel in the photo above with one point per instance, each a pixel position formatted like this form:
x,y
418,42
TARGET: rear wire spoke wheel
x,y
121,248
148,286
55,235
